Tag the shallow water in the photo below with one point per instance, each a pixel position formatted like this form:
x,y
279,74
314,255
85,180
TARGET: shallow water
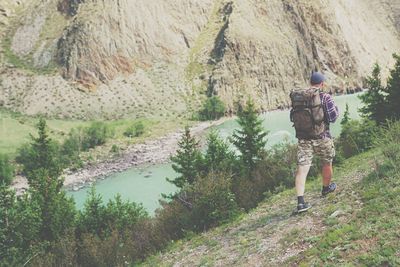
x,y
146,184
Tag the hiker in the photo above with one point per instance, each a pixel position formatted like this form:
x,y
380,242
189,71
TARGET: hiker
x,y
312,112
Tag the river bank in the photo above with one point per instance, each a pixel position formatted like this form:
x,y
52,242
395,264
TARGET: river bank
x,y
154,151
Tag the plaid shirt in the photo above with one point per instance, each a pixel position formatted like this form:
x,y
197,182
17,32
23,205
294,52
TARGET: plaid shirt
x,y
331,112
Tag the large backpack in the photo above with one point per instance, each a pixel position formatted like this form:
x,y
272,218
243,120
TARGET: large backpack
x,y
307,113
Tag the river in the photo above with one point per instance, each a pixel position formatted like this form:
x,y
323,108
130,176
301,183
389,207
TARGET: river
x,y
145,184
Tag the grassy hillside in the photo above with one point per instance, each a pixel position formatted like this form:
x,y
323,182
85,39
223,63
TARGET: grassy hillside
x,y
356,226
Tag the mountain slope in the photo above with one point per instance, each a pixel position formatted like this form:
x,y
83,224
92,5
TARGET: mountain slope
x,y
356,225
104,58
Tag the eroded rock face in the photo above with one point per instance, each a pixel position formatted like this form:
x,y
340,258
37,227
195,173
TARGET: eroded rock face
x,y
275,51
151,55
109,37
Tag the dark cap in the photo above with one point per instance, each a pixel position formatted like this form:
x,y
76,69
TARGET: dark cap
x,y
317,78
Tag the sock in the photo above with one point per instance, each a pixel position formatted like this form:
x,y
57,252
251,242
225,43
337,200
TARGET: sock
x,y
300,200
325,188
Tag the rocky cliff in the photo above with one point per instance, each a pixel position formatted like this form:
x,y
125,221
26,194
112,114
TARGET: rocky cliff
x,y
107,58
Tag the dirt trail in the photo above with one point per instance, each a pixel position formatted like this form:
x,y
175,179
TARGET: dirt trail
x,y
150,152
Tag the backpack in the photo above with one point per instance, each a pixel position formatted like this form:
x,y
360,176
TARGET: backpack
x,y
307,113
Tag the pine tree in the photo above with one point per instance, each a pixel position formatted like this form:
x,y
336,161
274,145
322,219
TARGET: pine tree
x,y
218,156
187,161
250,139
42,153
393,89
375,104
346,116
57,211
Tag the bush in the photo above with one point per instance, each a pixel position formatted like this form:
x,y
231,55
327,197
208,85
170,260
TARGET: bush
x,y
135,130
96,135
99,219
218,156
212,109
388,140
213,201
71,149
115,149
6,170
279,167
172,219
357,137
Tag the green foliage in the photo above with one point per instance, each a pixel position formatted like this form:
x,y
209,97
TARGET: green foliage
x,y
187,161
99,219
357,137
218,156
6,171
382,103
250,138
388,141
57,210
279,166
212,109
96,134
41,153
17,241
393,90
374,100
346,116
173,219
115,149
92,218
213,202
206,203
272,174
113,234
135,130
71,149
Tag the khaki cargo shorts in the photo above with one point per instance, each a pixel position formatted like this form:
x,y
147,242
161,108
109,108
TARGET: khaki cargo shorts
x,y
324,148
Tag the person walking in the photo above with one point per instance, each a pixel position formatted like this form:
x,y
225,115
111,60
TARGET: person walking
x,y
312,112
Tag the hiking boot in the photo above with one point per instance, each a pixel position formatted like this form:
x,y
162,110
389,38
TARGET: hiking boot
x,y
302,207
329,189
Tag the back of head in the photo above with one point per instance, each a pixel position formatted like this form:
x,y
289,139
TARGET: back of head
x,y
317,78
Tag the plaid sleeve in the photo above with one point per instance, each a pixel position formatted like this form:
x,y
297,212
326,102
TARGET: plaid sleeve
x,y
331,110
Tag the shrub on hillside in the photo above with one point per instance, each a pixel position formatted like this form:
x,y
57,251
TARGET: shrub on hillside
x,y
388,141
71,149
99,219
218,155
172,219
213,202
6,170
279,167
96,134
212,109
357,137
206,203
135,130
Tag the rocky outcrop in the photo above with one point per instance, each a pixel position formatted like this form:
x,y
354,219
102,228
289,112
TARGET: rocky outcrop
x,y
107,37
150,57
276,51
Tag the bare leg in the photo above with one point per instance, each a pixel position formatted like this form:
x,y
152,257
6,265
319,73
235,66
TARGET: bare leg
x,y
301,175
327,172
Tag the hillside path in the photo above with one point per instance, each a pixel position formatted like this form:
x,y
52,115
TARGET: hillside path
x,y
272,233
